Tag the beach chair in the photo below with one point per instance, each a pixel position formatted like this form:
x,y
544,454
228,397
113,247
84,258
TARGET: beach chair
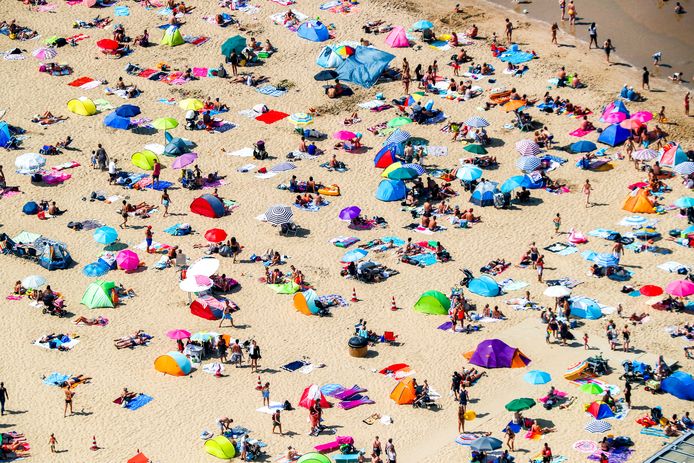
x,y
289,229
390,337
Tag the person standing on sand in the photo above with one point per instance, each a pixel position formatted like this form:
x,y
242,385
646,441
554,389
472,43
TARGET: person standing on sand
x,y
627,393
148,238
166,201
406,78
593,34
277,422
461,418
3,397
572,12
540,266
546,454
557,224
390,451
68,401
555,28
510,438
509,30
562,7
587,188
52,441
607,46
686,104
645,77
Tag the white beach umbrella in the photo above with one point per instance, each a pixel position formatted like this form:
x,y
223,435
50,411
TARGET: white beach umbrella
x,y
205,266
557,291
33,282
29,163
195,284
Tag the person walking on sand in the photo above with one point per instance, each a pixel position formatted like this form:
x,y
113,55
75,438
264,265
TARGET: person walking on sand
x,y
226,315
607,46
277,422
52,441
686,104
510,438
376,449
166,201
124,214
156,172
148,238
265,393
390,451
587,188
585,341
509,30
540,266
571,10
254,355
222,349
593,34
68,401
557,224
626,336
461,418
627,393
555,28
562,7
645,77
3,397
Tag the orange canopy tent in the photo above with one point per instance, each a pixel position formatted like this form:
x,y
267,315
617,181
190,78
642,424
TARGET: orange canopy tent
x,y
638,201
404,392
139,458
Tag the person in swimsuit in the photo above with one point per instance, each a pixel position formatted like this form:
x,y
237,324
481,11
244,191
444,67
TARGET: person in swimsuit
x,y
277,423
265,393
166,201
68,401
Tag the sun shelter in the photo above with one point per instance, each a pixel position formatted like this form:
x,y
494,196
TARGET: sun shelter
x,y
174,363
484,194
314,457
144,159
220,447
309,396
82,106
98,295
328,58
638,201
391,190
433,303
313,30
233,44
178,146
614,135
305,302
585,308
484,286
202,308
208,206
600,410
386,156
172,37
672,155
364,67
139,458
679,384
55,256
5,135
494,353
404,392
397,38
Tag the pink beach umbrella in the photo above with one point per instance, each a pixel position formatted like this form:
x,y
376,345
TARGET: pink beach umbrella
x,y
631,124
615,117
680,288
344,135
643,116
184,160
528,148
127,260
43,53
178,334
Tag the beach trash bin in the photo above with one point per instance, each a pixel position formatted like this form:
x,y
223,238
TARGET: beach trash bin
x,y
358,346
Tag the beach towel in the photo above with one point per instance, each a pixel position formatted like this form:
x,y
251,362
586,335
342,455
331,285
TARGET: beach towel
x,y
355,402
103,105
344,241
466,438
272,408
270,90
63,345
195,40
55,379
672,267
580,133
329,299
424,259
271,117
616,455
437,151
80,81
121,11
138,401
654,432
311,207
242,153
295,365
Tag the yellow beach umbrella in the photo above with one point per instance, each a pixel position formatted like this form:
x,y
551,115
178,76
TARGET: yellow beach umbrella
x,y
191,103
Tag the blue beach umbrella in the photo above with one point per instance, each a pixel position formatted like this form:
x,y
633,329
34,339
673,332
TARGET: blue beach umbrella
x,y
605,260
397,137
537,377
354,255
95,269
685,202
422,24
105,235
127,110
468,173
583,146
514,182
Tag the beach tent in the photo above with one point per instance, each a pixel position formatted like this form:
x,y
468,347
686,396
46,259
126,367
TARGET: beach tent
x,y
386,156
55,257
98,295
115,121
679,384
328,58
638,202
82,106
220,447
672,156
391,190
585,308
484,286
305,302
201,308
313,30
433,303
309,396
397,38
172,37
144,159
484,194
139,458
615,107
614,135
314,457
30,208
174,363
233,44
600,410
365,66
208,206
494,353
5,135
178,146
404,392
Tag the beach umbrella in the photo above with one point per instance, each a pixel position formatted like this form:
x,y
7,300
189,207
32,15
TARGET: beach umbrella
x,y
354,255
128,110
402,173
597,426
127,260
114,121
468,173
643,116
475,148
537,377
33,282
191,104
196,283
397,137
326,75
591,388
633,221
680,288
108,44
684,168
513,105
279,215
215,235
645,155
614,117
517,181
344,135
477,122
202,336
557,291
95,269
485,444
528,163
416,167
685,202
165,123
178,334
300,119
29,163
528,148
630,124
583,146
413,98
344,51
517,405
605,260
44,53
105,235
399,121
651,290
422,24
349,213
184,160
205,266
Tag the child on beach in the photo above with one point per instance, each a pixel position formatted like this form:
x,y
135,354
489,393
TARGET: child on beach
x,y
585,341
52,441
557,223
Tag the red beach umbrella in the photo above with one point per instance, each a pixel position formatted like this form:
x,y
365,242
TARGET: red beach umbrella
x,y
215,235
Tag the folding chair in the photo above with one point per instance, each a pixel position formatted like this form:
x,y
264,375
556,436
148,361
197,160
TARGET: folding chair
x,y
389,337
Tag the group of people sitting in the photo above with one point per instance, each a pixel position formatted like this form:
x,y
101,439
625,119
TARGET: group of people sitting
x,y
306,200
561,105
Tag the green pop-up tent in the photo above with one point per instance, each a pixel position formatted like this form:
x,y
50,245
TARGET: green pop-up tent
x,y
433,302
98,295
233,44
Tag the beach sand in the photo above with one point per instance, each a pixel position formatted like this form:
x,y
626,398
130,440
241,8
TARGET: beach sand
x,y
168,429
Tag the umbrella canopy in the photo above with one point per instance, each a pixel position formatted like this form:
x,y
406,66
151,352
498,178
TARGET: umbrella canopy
x,y
514,105
557,291
29,163
196,283
684,168
128,110
517,405
685,202
205,266
108,44
416,167
475,149
397,171
583,146
486,444
44,53
397,137
591,388
184,160
349,213
344,135
477,122
344,51
643,116
645,155
95,269
127,260
528,163
422,24
326,75
191,104
279,215
33,282
115,121
631,124
614,117
597,426
633,221
165,123
354,255
528,148
399,121
203,336
301,119
680,288
517,181
215,235
468,173
105,235
537,377
605,260
178,334
233,44
651,290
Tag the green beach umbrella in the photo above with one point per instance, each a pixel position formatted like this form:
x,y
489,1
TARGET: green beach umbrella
x,y
399,121
517,405
592,388
165,123
475,149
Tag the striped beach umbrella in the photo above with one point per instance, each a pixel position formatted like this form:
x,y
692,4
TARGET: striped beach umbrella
x,y
645,155
477,122
301,119
397,137
44,53
468,173
684,168
633,221
528,148
416,167
528,163
606,260
598,426
279,215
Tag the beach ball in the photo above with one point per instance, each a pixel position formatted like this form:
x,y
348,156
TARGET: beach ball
x,y
470,415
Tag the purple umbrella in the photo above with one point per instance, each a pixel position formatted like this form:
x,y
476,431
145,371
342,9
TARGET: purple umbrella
x,y
184,160
349,213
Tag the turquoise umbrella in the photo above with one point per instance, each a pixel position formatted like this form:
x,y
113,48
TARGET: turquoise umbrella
x,y
685,202
537,377
514,182
105,235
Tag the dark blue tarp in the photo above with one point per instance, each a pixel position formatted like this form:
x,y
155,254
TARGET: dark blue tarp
x,y
364,67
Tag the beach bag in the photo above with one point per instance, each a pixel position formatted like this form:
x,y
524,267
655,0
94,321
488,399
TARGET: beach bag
x,y
36,178
287,406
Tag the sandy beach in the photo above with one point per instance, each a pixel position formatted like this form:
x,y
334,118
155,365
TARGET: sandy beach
x,y
168,429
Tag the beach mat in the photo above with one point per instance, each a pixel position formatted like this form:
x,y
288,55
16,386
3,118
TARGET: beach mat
x,y
271,117
138,402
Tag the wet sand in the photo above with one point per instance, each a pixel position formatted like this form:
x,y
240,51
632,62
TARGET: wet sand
x,y
638,29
